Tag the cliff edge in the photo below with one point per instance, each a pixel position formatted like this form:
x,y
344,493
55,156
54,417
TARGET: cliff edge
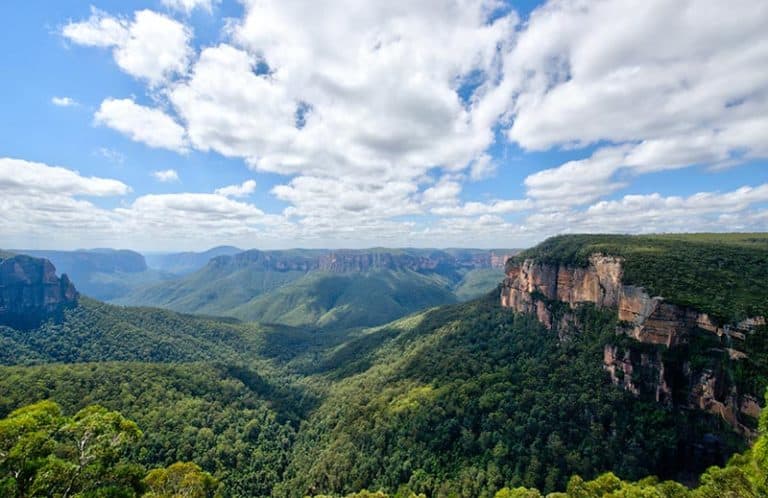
x,y
31,293
664,349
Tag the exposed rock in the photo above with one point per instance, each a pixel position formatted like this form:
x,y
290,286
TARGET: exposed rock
x,y
31,293
534,287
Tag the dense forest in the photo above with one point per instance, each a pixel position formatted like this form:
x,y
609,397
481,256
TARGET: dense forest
x,y
464,400
460,400
93,454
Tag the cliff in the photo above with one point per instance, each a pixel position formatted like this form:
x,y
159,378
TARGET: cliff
x,y
551,291
31,293
361,261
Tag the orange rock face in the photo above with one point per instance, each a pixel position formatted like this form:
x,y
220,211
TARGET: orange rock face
x,y
529,287
650,319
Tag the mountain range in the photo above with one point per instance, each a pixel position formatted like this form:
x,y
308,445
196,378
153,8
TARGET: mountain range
x,y
640,355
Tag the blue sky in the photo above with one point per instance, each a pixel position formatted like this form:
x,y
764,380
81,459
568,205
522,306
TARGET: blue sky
x,y
426,123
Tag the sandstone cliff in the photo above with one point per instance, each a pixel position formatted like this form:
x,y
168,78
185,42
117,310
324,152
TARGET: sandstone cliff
x,y
542,289
31,293
361,261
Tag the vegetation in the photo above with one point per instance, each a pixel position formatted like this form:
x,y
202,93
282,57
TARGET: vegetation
x,y
720,274
43,453
347,300
465,400
461,400
236,423
102,273
286,287
95,331
478,282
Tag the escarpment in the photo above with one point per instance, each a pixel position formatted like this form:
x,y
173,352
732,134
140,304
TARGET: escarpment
x,y
31,293
360,261
674,354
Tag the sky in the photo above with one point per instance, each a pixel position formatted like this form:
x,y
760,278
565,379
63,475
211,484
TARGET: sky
x,y
183,124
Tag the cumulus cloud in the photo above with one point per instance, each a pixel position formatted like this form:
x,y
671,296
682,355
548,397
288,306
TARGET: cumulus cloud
x,y
323,201
63,101
374,97
361,108
44,201
111,155
20,177
703,211
142,124
166,175
674,84
244,189
152,46
47,204
481,208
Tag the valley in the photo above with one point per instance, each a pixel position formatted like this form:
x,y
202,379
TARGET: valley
x,y
318,383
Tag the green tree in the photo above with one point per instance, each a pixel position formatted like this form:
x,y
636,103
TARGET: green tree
x,y
25,444
180,480
45,454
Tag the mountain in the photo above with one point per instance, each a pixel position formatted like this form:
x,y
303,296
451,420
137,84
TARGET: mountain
x,y
323,288
348,299
559,371
181,263
103,274
226,282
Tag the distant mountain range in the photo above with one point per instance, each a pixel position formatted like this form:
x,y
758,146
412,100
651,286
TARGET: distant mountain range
x,y
325,288
186,262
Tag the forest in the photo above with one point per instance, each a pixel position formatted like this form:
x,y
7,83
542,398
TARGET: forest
x,y
464,400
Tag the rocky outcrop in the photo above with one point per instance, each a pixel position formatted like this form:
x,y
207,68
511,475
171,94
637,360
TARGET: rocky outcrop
x,y
542,289
647,319
31,293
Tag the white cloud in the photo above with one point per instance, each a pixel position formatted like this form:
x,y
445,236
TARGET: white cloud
x,y
20,177
671,84
188,6
446,191
100,30
63,101
166,175
363,106
142,124
737,210
244,189
377,93
42,202
326,201
483,167
193,218
152,47
480,208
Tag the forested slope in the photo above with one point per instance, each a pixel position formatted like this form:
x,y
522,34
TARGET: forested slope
x,y
459,400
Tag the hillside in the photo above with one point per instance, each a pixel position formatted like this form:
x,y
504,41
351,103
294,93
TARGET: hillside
x,y
336,289
94,331
458,400
347,300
